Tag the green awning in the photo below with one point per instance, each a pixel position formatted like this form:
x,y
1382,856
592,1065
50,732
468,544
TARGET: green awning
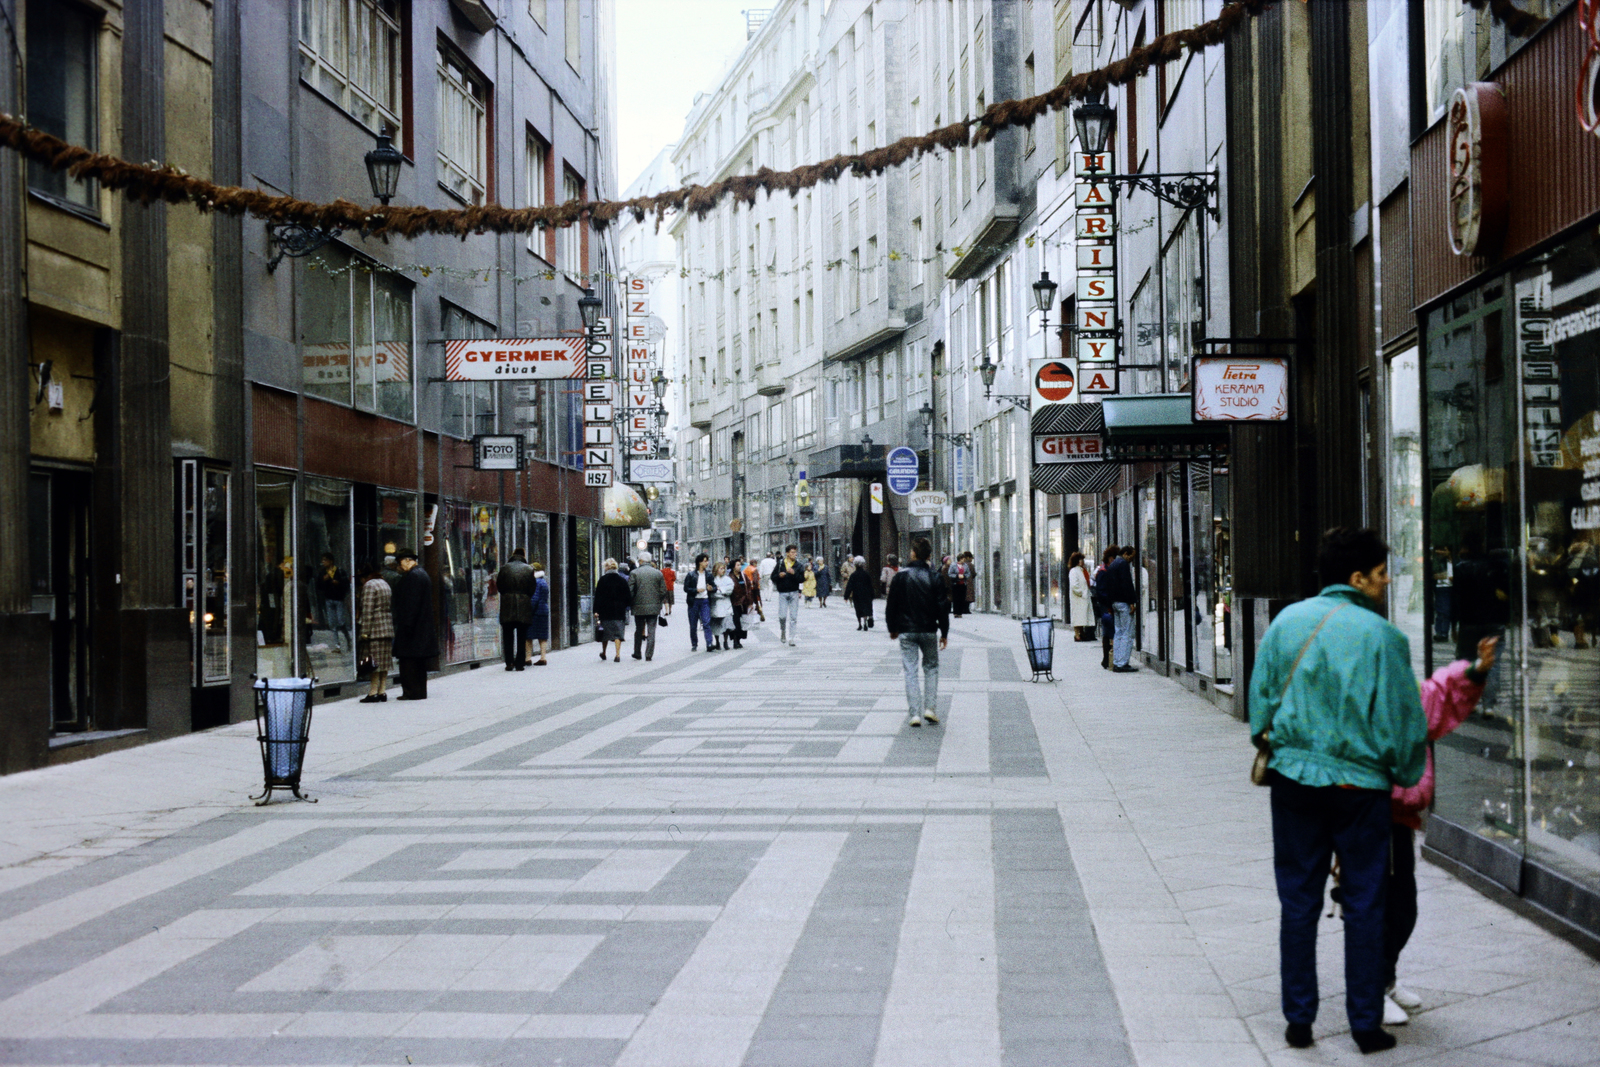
x,y
1163,415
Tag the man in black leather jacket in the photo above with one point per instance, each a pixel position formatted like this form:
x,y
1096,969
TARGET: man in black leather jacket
x,y
918,606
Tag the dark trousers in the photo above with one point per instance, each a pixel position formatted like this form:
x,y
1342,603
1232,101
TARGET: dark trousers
x,y
1308,826
644,633
1400,907
514,643
413,678
699,615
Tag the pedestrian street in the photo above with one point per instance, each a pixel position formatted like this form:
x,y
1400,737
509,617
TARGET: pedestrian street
x,y
715,860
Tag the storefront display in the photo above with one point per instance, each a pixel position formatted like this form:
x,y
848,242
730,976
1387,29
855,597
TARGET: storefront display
x,y
324,582
1513,463
276,607
469,562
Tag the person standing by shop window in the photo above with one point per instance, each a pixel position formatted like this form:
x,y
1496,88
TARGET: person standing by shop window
x,y
333,587
539,628
376,627
1081,612
1123,594
514,582
416,638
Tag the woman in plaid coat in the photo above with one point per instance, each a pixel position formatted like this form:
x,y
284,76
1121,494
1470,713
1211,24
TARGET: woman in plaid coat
x,y
376,626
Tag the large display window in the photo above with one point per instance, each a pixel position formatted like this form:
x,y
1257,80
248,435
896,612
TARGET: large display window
x,y
325,583
469,561
276,606
1513,465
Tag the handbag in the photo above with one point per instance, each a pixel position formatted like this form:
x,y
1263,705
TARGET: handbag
x,y
661,620
1258,766
366,666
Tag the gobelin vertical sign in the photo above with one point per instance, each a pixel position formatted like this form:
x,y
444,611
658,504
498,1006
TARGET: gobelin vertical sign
x,y
599,435
1096,308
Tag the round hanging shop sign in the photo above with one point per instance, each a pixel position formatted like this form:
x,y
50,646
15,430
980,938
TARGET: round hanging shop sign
x,y
1479,181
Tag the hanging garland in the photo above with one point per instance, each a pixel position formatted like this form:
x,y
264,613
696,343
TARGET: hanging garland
x,y
1518,22
149,182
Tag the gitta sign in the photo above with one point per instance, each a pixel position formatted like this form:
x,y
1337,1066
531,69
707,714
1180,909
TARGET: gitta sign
x,y
1067,448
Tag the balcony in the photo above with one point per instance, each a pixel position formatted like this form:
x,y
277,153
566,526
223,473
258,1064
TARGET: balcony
x,y
769,379
865,331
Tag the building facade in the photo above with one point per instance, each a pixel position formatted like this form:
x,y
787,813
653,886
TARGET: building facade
x,y
358,444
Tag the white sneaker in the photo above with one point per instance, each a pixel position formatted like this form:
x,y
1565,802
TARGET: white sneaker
x,y
931,716
1404,997
791,642
916,720
1393,1014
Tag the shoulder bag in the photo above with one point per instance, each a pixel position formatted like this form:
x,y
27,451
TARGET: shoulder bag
x,y
1258,768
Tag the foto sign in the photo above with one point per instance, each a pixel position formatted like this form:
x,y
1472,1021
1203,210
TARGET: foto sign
x,y
1067,448
527,357
497,452
1241,388
904,472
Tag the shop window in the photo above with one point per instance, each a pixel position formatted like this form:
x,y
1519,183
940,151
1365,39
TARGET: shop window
x,y
351,51
62,77
355,333
203,498
325,583
469,407
463,128
470,560
277,609
1416,579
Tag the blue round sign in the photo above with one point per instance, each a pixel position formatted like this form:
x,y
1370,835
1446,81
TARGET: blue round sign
x,y
903,471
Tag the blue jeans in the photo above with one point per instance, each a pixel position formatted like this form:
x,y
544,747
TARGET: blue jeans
x,y
699,615
788,614
1441,610
1309,825
925,646
1121,634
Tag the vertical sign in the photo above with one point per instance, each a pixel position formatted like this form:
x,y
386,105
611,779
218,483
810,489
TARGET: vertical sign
x,y
599,455
638,369
1096,308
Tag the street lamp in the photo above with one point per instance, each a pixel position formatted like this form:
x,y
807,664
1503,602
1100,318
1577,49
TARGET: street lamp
x,y
987,369
659,383
793,466
383,168
1044,294
866,441
589,307
1096,123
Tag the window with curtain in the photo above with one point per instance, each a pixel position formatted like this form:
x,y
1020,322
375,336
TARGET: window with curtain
x,y
62,92
350,51
538,178
569,256
463,129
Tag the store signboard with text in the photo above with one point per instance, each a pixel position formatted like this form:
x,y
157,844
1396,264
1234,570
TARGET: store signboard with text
x,y
1230,388
499,359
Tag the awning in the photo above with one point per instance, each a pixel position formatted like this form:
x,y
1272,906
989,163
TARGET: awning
x,y
1160,427
848,461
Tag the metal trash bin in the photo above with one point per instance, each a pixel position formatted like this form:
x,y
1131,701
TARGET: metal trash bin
x,y
283,726
1039,638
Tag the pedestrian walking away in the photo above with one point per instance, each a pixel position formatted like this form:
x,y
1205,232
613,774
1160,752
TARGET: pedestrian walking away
x,y
416,639
1123,594
808,584
752,577
741,604
917,614
721,609
1447,699
891,566
652,599
1080,611
612,599
858,590
515,583
375,648
787,576
824,582
697,598
1333,699
539,628
1102,605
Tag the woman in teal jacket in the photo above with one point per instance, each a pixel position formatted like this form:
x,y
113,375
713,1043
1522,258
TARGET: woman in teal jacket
x,y
1333,692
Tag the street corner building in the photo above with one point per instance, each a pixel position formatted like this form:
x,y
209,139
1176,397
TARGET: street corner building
x,y
215,422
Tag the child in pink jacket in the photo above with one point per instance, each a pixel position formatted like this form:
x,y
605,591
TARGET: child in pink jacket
x,y
1447,699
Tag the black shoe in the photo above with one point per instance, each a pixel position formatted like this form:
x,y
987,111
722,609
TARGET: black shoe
x,y
1370,1041
509,667
522,668
370,698
602,655
1298,1035
383,698
637,656
1126,670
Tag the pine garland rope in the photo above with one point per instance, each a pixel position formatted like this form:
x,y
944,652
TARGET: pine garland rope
x,y
149,182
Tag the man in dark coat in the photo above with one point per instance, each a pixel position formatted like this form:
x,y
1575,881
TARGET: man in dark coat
x,y
416,639
515,585
1124,595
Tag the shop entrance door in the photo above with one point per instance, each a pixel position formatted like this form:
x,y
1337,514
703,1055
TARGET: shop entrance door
x,y
59,529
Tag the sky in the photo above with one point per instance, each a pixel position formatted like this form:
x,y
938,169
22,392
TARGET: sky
x,y
667,51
